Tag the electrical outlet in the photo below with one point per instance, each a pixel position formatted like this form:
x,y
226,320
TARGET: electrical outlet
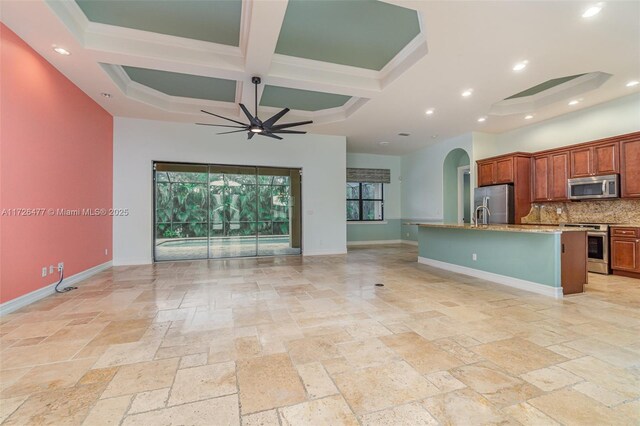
x,y
559,210
60,266
407,234
106,252
51,269
474,257
44,271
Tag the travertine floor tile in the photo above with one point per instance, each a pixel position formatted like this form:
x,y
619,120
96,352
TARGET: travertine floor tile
x,y
413,414
528,415
268,382
209,381
573,408
264,418
134,378
463,407
108,411
150,400
332,410
551,378
311,340
216,411
377,388
517,356
316,381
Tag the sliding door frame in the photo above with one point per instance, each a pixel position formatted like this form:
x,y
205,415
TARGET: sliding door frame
x,y
209,165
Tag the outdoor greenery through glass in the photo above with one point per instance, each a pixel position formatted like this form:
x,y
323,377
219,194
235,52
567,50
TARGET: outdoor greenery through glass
x,y
237,205
365,201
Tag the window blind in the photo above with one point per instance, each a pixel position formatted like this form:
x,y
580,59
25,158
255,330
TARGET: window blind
x,y
369,175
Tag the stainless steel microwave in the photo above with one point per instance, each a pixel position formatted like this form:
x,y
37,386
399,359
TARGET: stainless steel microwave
x,y
594,187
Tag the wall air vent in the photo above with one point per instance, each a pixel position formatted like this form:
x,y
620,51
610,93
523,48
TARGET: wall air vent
x,y
404,134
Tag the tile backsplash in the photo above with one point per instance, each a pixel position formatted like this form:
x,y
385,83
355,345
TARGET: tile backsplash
x,y
596,211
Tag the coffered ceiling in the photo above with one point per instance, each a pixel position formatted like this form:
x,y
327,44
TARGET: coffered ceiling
x,y
362,68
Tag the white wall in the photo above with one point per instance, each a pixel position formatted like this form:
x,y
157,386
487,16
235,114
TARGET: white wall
x,y
422,178
612,118
137,143
392,191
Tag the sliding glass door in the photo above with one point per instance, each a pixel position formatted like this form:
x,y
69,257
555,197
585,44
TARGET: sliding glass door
x,y
217,211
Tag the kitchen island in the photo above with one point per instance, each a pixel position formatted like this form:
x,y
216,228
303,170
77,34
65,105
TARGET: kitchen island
x,y
547,260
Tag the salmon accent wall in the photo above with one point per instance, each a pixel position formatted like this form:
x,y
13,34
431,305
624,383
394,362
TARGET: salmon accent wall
x,y
56,151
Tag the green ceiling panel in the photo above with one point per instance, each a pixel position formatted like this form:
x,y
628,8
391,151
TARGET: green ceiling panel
x,y
184,85
216,21
361,33
544,86
305,100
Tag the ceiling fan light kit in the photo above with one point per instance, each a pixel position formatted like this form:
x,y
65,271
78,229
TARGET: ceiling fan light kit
x,y
267,128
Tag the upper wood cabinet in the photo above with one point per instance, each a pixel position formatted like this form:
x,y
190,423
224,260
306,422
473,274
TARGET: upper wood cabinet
x,y
486,173
595,160
496,171
550,175
630,167
509,169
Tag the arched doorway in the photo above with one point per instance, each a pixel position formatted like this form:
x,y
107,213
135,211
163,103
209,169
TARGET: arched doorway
x,y
456,191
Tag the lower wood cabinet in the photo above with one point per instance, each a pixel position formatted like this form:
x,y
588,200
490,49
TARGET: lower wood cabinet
x,y
625,251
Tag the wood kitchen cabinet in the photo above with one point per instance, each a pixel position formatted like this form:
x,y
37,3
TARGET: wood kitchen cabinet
x,y
625,251
595,160
550,175
509,169
630,167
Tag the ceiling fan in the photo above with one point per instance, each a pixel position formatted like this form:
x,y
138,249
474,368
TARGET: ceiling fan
x,y
256,126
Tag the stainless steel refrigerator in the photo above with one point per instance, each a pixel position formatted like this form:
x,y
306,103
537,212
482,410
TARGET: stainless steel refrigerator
x,y
498,199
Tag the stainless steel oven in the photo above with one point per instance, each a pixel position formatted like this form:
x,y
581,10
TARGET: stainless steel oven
x,y
593,187
597,246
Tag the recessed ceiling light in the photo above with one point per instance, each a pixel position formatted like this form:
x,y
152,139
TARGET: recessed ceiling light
x,y
384,143
528,117
467,93
61,50
520,66
593,10
574,102
482,119
434,136
105,95
430,111
632,83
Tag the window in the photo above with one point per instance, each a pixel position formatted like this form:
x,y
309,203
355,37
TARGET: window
x,y
365,201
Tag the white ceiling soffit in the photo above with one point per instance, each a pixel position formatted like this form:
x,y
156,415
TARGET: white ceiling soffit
x,y
562,92
260,27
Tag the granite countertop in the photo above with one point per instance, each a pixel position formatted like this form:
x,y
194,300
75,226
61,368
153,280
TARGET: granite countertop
x,y
552,229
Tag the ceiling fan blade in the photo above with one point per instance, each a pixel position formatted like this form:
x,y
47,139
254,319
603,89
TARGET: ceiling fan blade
x,y
250,135
270,122
297,132
270,135
221,125
224,118
285,125
233,131
251,118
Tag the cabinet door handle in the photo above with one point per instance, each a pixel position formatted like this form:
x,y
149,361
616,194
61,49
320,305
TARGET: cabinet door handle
x,y
562,248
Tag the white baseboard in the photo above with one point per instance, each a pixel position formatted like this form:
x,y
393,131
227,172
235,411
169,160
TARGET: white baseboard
x,y
27,299
372,242
410,242
323,252
555,292
133,262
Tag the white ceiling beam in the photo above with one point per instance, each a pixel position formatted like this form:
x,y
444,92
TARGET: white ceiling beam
x,y
262,20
